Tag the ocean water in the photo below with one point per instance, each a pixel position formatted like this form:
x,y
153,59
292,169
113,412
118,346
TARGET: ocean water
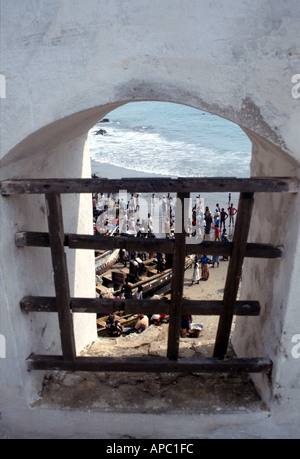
x,y
171,140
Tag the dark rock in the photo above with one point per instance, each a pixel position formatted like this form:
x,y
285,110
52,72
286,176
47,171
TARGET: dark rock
x,y
101,132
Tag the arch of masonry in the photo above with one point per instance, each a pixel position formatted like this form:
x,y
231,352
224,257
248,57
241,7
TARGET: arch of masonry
x,y
66,65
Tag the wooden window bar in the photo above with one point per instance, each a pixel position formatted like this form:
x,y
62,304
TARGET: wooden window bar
x,y
65,306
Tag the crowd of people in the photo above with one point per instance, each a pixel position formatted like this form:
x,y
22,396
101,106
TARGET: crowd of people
x,y
133,216
216,222
123,216
156,216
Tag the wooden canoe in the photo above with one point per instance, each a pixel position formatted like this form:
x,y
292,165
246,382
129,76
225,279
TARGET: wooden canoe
x,y
106,260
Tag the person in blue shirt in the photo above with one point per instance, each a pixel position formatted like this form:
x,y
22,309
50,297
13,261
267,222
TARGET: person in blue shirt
x,y
204,267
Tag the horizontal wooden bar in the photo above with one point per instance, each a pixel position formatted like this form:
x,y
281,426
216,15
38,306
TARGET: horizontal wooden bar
x,y
253,249
161,365
215,307
106,306
150,185
81,241
142,244
35,239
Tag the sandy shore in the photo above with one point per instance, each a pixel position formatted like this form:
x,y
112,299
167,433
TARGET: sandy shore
x,y
212,289
105,170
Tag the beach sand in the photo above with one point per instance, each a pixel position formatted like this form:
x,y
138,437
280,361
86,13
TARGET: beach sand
x,y
105,170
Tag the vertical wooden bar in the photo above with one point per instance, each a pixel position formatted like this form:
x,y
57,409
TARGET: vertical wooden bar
x,y
61,280
234,273
179,253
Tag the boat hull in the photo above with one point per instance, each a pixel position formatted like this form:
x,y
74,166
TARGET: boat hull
x,y
106,261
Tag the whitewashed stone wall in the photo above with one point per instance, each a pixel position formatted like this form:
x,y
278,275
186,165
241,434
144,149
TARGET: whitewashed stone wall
x,y
64,66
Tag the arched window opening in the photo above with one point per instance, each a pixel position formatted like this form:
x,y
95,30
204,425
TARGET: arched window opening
x,y
65,304
159,139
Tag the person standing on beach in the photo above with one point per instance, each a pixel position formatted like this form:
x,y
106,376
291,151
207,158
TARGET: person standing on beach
x,y
217,233
217,219
229,199
217,213
153,199
232,211
225,239
223,217
127,290
205,270
196,273
215,259
131,204
160,265
208,221
150,223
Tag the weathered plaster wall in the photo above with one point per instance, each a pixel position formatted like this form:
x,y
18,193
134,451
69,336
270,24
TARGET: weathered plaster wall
x,y
276,220
243,55
66,65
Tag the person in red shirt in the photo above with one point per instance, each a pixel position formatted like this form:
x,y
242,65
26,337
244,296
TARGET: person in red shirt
x,y
217,233
232,211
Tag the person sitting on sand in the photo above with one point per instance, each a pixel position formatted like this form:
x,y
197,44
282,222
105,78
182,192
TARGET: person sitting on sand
x,y
225,238
155,319
185,325
142,323
113,326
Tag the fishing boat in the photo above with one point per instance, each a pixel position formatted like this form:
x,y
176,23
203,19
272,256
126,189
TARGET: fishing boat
x,y
106,260
150,280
